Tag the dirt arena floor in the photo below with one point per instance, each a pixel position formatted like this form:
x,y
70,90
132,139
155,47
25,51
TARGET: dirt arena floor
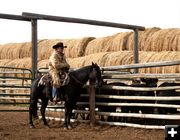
x,y
14,126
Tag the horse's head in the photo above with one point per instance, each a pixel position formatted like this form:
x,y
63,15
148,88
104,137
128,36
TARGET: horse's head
x,y
95,76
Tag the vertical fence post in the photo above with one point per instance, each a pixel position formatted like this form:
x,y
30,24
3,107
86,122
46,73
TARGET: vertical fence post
x,y
91,91
34,47
136,49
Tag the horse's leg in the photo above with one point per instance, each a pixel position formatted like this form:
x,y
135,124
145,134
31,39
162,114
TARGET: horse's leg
x,y
43,109
66,116
69,118
32,109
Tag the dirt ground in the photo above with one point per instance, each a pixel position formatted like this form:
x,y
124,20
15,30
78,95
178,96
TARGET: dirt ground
x,y
14,126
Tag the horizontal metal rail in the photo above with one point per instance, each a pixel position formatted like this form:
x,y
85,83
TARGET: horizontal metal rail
x,y
81,21
132,104
14,86
13,77
14,110
137,115
12,98
133,125
15,72
12,103
167,98
14,94
143,65
140,88
14,17
142,75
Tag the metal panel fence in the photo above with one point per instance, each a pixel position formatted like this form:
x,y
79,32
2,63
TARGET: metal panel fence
x,y
15,88
94,104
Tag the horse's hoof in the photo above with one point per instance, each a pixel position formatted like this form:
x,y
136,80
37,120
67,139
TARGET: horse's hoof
x,y
65,128
31,126
69,127
47,126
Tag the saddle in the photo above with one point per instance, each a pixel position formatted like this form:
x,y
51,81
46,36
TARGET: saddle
x,y
64,78
46,79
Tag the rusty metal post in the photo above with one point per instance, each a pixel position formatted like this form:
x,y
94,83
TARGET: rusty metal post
x,y
91,91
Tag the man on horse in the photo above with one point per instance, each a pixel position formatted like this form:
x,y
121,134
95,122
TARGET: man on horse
x,y
58,67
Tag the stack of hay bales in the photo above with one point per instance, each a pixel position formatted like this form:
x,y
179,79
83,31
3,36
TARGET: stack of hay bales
x,y
155,45
117,42
76,47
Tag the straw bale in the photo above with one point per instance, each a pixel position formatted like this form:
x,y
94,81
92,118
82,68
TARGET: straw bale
x,y
158,57
164,40
45,48
15,50
119,41
108,59
99,58
43,63
25,49
116,42
147,34
97,45
5,52
142,38
75,47
3,62
20,63
77,62
175,41
119,58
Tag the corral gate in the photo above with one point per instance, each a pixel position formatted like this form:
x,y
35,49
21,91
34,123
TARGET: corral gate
x,y
15,88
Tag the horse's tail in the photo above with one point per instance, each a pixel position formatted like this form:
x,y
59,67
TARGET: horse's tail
x,y
35,114
33,99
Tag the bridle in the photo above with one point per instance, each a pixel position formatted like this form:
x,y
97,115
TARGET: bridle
x,y
78,81
93,77
93,73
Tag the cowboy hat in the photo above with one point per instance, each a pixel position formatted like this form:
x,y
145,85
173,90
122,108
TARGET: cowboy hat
x,y
59,45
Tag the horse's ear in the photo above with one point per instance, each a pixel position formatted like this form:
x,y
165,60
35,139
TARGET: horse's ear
x,y
93,64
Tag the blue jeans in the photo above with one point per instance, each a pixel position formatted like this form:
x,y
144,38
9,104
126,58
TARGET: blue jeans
x,y
54,92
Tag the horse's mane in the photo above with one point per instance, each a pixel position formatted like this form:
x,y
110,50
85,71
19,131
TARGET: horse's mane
x,y
74,72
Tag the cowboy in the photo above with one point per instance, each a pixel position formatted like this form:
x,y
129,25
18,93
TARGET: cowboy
x,y
57,66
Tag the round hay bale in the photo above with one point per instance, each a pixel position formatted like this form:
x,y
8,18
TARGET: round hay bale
x,y
77,62
119,41
119,58
15,50
43,63
97,45
143,37
45,48
20,63
161,40
116,42
76,47
96,58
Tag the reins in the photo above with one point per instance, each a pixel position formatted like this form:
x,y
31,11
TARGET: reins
x,y
76,79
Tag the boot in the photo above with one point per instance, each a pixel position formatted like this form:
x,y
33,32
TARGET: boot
x,y
59,96
58,99
48,93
